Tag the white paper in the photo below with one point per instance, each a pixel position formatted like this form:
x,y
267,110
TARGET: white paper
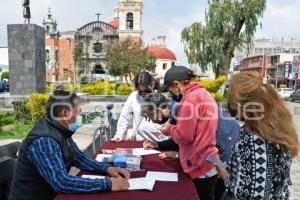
x,y
162,176
101,157
141,184
143,152
93,176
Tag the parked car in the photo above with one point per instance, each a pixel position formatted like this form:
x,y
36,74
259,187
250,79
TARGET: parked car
x,y
285,93
295,96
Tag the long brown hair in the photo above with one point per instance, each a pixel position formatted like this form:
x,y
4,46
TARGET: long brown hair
x,y
274,122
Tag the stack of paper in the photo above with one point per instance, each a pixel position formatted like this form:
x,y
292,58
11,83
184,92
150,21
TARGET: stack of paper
x,y
93,176
141,184
162,176
143,152
104,158
133,163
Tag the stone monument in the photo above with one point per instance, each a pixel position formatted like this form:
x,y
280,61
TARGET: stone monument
x,y
26,52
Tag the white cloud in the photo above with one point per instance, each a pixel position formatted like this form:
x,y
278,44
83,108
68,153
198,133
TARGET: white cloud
x,y
281,19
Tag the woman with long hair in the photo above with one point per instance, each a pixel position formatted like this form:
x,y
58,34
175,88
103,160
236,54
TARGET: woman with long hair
x,y
261,159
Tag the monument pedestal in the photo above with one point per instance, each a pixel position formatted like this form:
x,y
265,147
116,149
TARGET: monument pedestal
x,y
26,52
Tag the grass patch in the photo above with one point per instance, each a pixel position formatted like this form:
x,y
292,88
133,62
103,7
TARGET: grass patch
x,y
19,132
6,119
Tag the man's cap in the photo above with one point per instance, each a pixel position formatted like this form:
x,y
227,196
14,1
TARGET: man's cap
x,y
175,73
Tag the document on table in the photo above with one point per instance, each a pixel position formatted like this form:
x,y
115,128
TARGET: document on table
x,y
141,184
104,157
162,176
92,176
143,152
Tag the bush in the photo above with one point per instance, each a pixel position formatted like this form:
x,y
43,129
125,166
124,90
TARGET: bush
x,y
218,97
102,87
5,119
36,105
5,75
282,86
21,113
71,87
67,87
213,86
125,89
50,87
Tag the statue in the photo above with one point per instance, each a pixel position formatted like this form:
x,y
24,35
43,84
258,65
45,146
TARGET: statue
x,y
26,11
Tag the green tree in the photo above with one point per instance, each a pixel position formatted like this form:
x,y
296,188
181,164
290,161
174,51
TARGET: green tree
x,y
128,58
228,24
5,75
78,58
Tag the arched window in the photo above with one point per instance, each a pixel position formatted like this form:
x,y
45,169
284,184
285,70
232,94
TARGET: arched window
x,y
47,28
129,21
98,69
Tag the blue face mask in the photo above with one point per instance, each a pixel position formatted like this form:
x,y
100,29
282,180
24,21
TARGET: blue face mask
x,y
75,126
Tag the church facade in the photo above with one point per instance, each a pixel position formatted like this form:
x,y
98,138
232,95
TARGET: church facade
x,y
94,38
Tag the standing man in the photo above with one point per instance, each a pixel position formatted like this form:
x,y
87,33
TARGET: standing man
x,y
48,152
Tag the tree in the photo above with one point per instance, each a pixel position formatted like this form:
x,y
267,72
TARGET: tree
x,y
5,75
229,24
128,58
78,58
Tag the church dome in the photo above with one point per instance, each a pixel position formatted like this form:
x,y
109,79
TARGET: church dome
x,y
115,23
161,53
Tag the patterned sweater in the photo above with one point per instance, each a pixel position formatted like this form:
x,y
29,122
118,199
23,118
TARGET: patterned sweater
x,y
258,169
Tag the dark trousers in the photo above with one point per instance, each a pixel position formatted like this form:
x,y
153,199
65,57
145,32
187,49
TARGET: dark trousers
x,y
206,187
220,189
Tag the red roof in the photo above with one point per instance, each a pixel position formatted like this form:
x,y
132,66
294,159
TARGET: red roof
x,y
161,53
115,22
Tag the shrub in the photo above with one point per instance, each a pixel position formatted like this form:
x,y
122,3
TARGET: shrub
x,y
102,87
5,75
36,105
125,89
50,87
67,87
212,86
218,97
282,86
21,113
71,87
5,119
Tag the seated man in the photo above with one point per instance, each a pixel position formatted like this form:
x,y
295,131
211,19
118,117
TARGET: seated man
x,y
48,152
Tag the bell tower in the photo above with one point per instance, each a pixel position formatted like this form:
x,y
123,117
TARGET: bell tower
x,y
130,15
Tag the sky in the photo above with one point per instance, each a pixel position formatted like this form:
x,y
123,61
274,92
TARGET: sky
x,y
281,18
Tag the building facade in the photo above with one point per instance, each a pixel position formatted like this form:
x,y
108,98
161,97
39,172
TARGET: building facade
x,y
165,58
267,46
60,46
94,38
277,68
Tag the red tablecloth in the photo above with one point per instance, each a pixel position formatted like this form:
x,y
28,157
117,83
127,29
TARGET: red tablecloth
x,y
181,190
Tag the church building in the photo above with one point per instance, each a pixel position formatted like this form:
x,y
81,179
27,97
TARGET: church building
x,y
94,37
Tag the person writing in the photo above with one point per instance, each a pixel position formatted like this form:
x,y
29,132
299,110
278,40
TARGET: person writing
x,y
195,129
48,152
143,129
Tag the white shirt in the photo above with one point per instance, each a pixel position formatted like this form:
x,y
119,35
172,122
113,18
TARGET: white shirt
x,y
131,113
